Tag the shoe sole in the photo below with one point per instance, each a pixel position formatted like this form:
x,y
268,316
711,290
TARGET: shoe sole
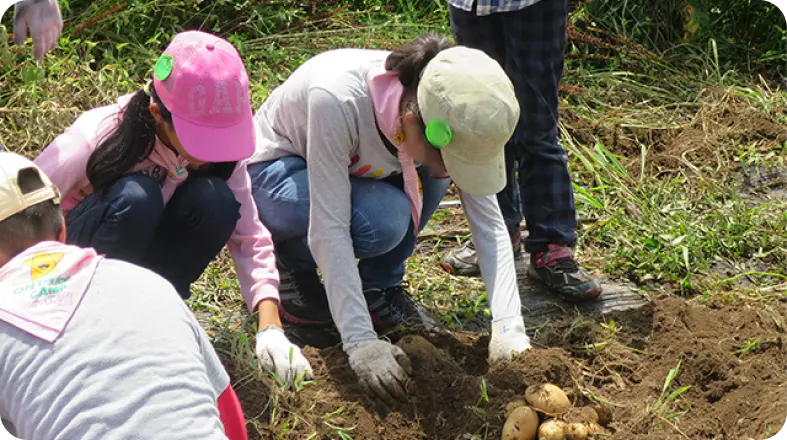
x,y
294,320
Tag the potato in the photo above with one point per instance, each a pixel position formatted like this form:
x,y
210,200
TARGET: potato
x,y
552,430
594,429
580,415
547,398
576,431
589,415
522,424
603,411
420,351
514,404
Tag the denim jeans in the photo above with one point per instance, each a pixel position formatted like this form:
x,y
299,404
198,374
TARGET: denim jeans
x,y
381,226
129,221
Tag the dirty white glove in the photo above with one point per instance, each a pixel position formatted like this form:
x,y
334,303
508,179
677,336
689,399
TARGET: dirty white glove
x,y
278,355
383,369
508,338
45,21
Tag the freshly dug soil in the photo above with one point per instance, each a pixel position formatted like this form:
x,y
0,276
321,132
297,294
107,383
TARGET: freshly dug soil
x,y
733,394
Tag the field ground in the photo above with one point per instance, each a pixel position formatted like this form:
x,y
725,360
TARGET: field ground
x,y
681,185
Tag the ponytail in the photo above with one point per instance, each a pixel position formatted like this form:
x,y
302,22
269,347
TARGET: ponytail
x,y
411,59
131,142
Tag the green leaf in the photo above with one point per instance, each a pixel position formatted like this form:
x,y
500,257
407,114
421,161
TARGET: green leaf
x,y
29,75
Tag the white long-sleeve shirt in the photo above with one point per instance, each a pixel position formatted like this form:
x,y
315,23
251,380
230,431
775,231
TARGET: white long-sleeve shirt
x,y
324,114
132,362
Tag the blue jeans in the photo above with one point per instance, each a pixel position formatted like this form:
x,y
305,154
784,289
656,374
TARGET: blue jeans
x,y
381,226
129,221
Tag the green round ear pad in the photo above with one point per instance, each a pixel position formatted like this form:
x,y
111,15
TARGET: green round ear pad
x,y
438,133
163,67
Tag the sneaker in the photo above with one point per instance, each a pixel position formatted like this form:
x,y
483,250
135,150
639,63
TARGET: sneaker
x,y
303,300
393,306
464,261
558,270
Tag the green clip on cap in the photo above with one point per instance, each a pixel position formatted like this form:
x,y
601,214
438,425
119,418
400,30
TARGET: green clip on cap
x,y
438,133
163,67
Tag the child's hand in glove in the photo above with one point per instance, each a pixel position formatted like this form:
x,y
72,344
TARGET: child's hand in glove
x,y
508,338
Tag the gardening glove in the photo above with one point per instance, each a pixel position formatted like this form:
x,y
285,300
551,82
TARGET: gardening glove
x,y
45,21
382,369
508,338
278,355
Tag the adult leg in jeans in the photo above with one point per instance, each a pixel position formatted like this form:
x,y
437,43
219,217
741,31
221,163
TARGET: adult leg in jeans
x,y
119,221
486,33
380,218
535,41
197,222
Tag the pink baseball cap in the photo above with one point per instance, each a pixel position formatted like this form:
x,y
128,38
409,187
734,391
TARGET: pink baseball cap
x,y
200,78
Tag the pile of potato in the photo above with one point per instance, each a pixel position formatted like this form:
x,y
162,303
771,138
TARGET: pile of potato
x,y
558,419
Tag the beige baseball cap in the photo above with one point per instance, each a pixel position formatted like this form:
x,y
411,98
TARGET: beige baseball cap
x,y
12,198
468,91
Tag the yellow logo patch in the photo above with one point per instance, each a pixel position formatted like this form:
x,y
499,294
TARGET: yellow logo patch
x,y
42,264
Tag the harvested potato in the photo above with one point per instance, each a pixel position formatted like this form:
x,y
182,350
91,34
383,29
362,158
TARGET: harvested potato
x,y
514,404
604,413
576,431
589,415
420,351
595,429
522,424
580,415
547,398
552,430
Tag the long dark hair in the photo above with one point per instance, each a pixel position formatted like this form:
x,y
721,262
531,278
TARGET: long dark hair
x,y
132,141
410,60
129,143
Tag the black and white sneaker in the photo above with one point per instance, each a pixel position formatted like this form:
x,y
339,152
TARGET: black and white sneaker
x,y
394,306
303,301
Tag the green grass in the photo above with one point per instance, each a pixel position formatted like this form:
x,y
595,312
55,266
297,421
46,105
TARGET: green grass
x,y
656,150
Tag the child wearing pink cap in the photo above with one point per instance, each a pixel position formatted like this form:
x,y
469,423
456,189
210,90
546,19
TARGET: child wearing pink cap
x,y
159,179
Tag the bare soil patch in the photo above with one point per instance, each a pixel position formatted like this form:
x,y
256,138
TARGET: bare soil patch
x,y
733,394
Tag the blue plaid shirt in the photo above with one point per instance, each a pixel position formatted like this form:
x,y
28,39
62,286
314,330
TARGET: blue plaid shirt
x,y
486,7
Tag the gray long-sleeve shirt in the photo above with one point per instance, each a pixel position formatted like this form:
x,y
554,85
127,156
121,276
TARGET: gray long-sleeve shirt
x,y
324,114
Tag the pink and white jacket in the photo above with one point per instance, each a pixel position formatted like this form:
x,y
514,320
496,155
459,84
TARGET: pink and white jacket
x,y
65,162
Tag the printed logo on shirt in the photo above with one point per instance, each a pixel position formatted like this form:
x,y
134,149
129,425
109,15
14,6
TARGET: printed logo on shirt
x,y
367,171
398,137
43,266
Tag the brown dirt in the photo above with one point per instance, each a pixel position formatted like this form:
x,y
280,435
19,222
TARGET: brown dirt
x,y
720,122
730,397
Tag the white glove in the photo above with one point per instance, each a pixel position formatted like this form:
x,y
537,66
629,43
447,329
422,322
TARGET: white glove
x,y
508,338
45,21
382,369
277,354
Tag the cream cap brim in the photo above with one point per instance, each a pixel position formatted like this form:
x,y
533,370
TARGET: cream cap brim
x,y
478,180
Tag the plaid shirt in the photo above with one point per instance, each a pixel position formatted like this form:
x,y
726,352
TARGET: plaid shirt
x,y
487,7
